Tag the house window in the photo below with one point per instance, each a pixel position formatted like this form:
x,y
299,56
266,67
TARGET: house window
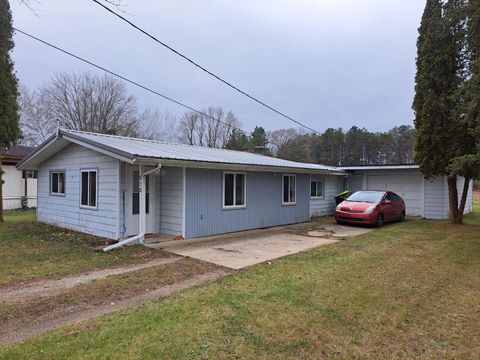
x,y
316,189
147,194
30,174
233,190
89,188
136,193
289,189
57,183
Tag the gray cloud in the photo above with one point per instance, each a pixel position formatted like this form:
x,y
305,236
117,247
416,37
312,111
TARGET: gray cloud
x,y
326,63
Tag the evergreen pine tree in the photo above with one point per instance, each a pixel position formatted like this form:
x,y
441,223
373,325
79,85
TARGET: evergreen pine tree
x,y
238,140
440,135
9,126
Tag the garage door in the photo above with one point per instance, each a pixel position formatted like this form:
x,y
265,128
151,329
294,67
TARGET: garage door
x,y
408,186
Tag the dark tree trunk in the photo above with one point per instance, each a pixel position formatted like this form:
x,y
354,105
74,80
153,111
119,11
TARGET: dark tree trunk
x,y
453,200
463,200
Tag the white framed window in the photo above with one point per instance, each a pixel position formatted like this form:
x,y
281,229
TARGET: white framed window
x,y
289,189
88,188
234,190
57,183
316,189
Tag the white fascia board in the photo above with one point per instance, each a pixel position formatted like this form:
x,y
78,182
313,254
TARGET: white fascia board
x,y
23,165
98,149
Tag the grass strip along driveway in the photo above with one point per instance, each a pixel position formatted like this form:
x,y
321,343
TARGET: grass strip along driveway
x,y
407,290
32,251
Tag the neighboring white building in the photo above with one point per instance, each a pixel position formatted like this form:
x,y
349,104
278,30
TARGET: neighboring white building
x,y
17,184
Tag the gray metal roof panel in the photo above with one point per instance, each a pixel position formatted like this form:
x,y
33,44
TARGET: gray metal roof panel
x,y
141,148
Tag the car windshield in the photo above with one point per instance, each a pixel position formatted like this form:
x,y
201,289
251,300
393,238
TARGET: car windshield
x,y
366,196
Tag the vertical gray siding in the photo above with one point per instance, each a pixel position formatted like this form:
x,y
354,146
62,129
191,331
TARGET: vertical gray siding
x,y
170,200
65,211
204,208
355,182
326,205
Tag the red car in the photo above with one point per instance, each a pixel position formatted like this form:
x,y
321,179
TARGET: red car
x,y
371,208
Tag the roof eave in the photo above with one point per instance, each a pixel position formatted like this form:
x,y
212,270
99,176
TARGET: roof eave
x,y
232,166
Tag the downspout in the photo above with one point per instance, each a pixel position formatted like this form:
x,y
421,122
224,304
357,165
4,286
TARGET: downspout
x,y
141,225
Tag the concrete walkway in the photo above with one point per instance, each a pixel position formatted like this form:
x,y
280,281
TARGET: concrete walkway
x,y
247,248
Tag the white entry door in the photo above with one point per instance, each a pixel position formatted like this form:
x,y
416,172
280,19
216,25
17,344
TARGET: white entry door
x,y
132,201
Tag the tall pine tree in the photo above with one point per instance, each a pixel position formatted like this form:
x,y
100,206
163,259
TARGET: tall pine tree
x,y
9,126
441,135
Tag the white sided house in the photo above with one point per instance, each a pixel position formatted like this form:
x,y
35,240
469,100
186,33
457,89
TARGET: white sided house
x,y
19,188
119,188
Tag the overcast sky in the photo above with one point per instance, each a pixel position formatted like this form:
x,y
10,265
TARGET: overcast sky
x,y
326,63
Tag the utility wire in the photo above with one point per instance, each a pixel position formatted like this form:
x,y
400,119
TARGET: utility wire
x,y
203,68
126,79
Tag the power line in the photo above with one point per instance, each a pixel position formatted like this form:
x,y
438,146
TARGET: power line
x,y
127,79
203,68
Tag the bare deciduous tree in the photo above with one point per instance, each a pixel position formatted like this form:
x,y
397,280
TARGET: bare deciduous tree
x,y
212,130
277,138
35,121
91,103
155,125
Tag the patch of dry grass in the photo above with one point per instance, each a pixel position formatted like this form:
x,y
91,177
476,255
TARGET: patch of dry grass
x,y
30,250
408,290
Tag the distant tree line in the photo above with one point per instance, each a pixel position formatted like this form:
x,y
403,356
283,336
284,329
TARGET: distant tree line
x,y
337,147
102,104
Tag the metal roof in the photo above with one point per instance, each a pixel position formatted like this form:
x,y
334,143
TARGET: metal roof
x,y
142,151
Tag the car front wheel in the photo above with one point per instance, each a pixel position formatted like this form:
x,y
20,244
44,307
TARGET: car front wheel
x,y
379,222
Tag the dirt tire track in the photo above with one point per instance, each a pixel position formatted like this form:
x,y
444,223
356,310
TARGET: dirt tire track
x,y
46,288
23,330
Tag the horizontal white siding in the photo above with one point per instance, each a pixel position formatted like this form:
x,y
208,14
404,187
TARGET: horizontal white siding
x,y
326,205
436,198
65,211
14,188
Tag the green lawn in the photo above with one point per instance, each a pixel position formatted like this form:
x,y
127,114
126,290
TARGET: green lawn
x,y
409,290
30,250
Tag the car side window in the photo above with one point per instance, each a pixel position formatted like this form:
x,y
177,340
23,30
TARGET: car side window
x,y
389,197
395,197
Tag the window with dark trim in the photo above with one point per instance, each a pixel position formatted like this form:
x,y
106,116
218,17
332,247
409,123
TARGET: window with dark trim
x,y
316,189
136,193
88,187
233,189
30,174
57,183
289,189
147,194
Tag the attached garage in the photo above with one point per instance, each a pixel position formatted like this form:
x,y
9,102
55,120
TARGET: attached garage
x,y
423,197
409,186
